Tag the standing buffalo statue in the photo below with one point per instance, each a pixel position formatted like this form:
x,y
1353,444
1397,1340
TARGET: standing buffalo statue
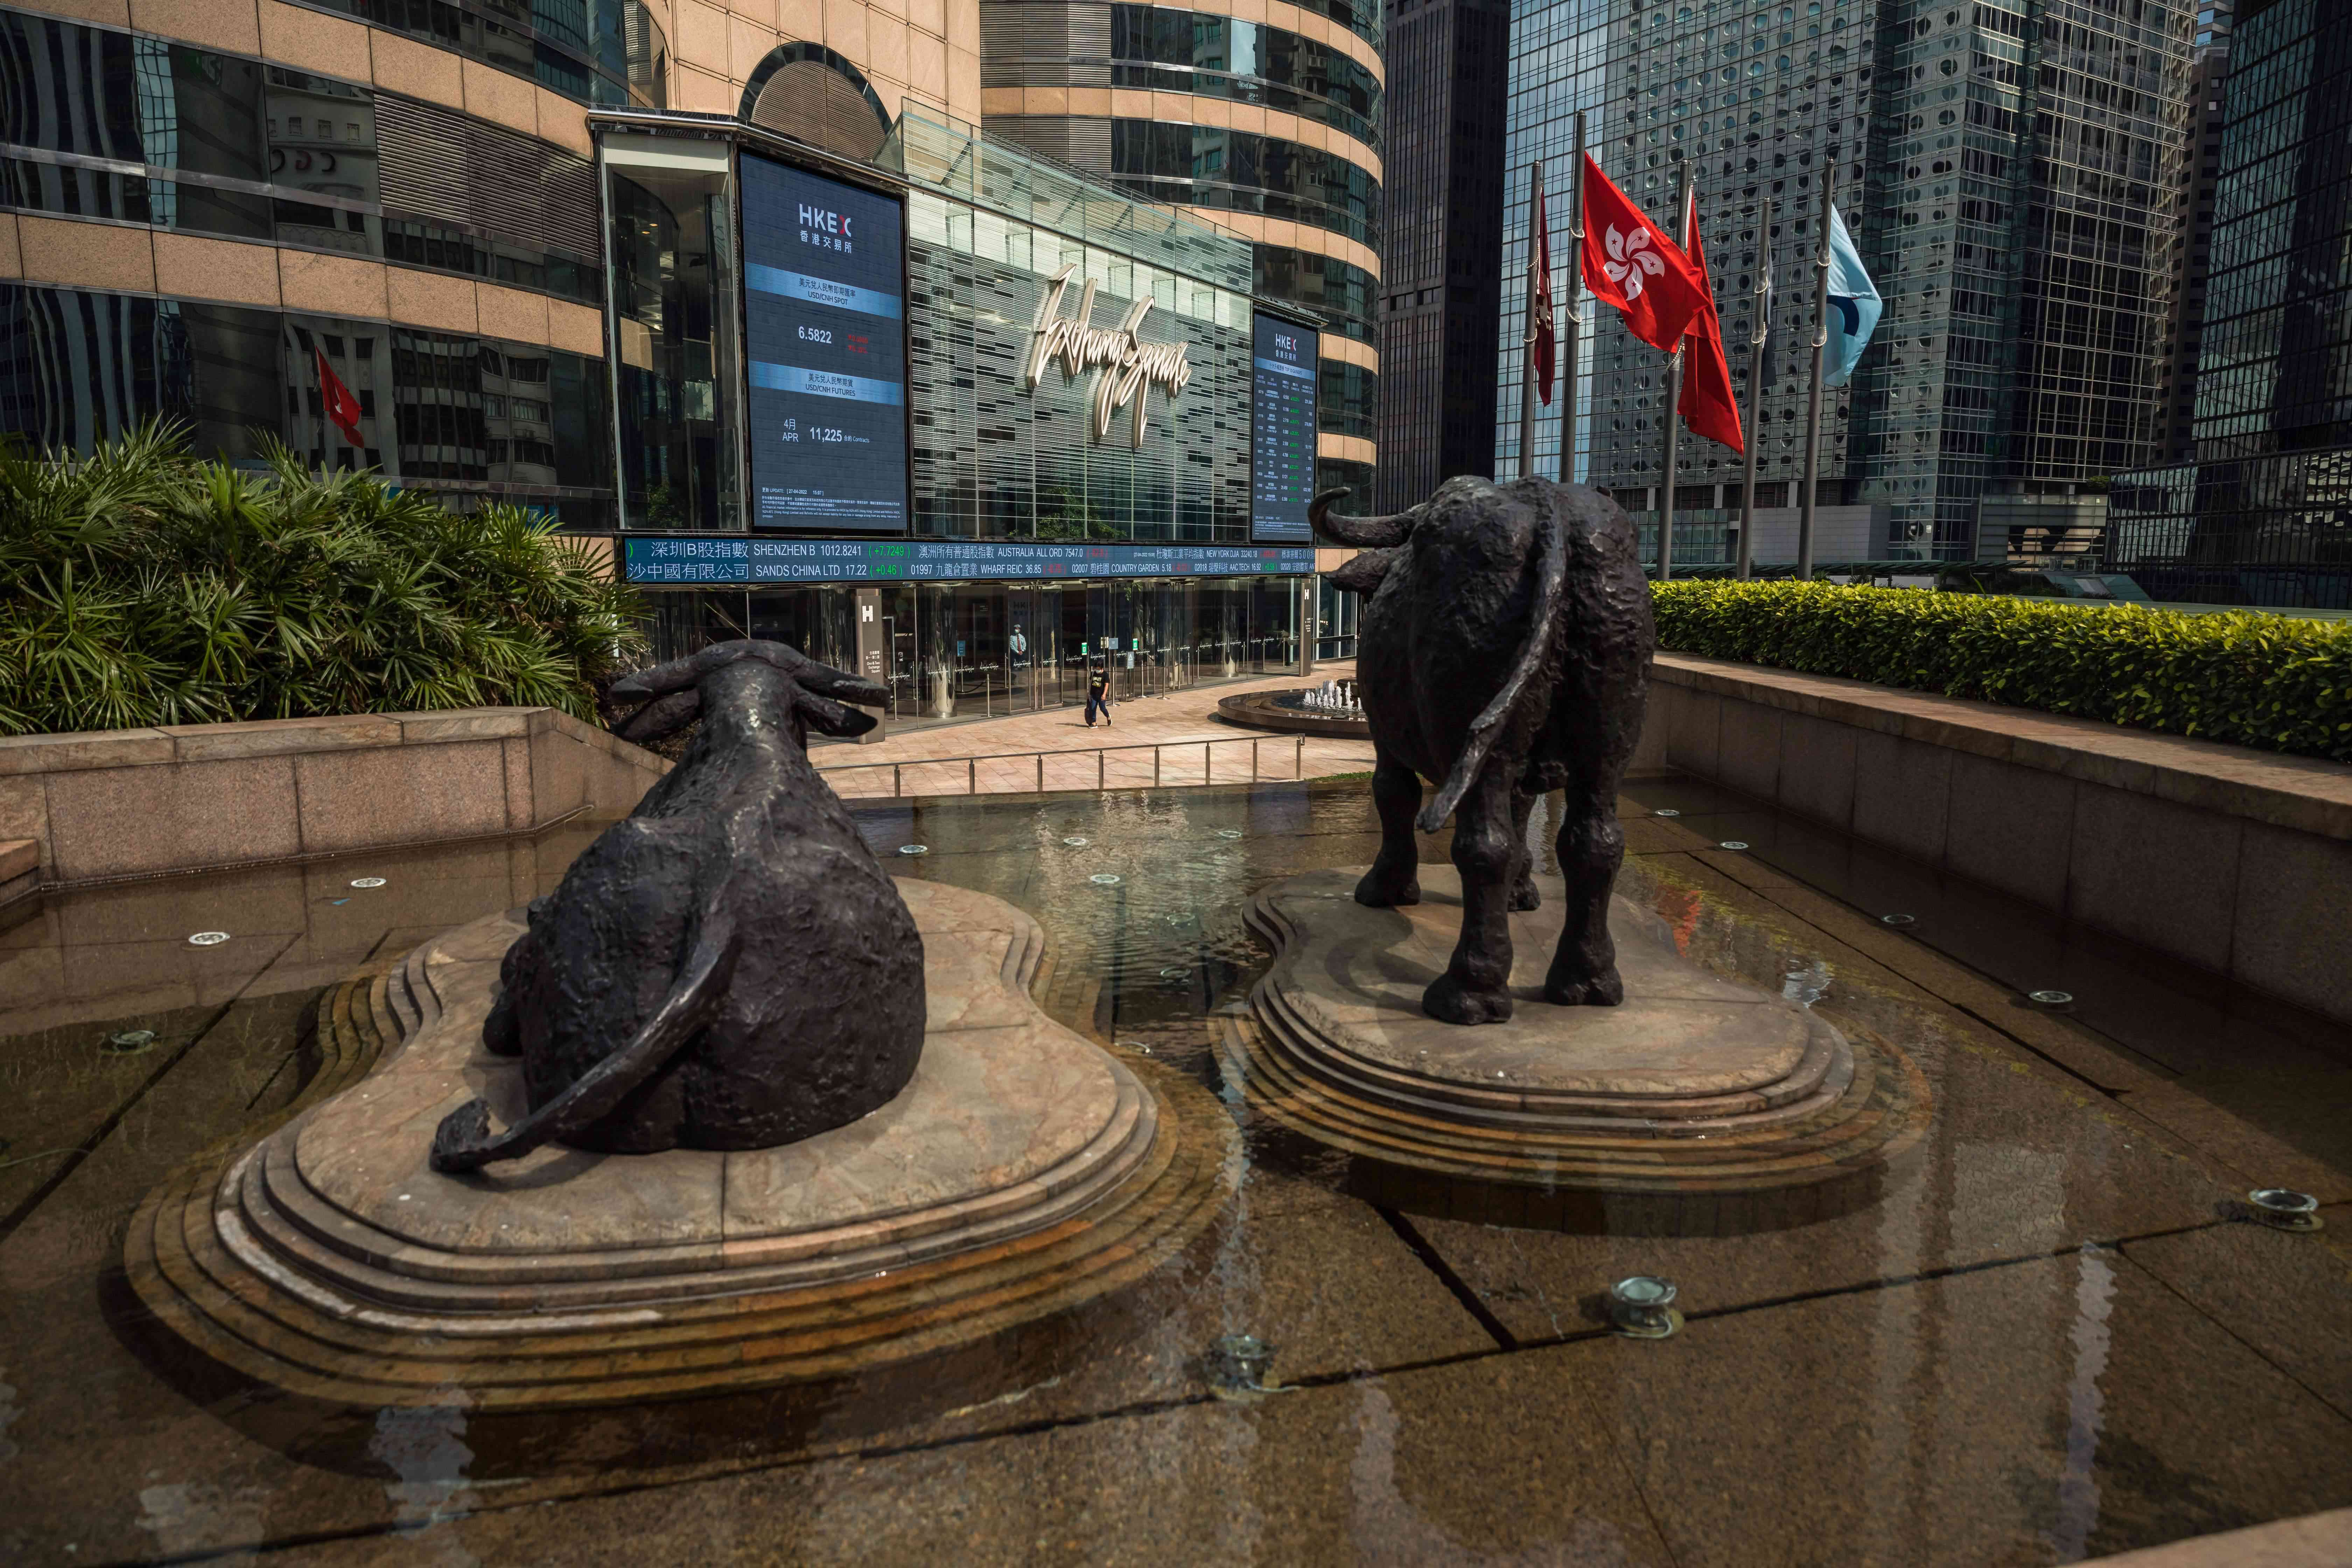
x,y
1504,648
729,968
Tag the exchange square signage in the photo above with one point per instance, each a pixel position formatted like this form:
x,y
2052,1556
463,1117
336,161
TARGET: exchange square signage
x,y
1124,365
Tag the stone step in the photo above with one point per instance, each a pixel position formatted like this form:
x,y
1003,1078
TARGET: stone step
x,y
1823,1074
1865,1127
251,1261
175,1261
343,1252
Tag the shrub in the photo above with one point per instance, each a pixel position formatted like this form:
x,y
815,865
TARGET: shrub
x,y
139,585
2277,682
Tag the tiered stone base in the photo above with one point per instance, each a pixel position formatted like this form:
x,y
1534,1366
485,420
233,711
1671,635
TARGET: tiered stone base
x,y
1023,1169
1695,1084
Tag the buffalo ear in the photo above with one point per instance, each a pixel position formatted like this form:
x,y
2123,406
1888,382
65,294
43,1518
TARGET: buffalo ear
x,y
830,717
681,673
840,685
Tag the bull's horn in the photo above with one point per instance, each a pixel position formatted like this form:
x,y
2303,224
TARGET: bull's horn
x,y
1364,532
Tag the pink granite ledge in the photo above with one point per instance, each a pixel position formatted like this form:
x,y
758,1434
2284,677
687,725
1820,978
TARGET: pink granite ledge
x,y
81,751
2304,793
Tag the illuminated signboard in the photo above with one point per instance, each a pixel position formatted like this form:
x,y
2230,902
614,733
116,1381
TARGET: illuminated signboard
x,y
826,343
719,560
1282,430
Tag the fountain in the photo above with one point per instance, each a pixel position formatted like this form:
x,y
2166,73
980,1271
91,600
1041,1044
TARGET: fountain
x,y
1331,709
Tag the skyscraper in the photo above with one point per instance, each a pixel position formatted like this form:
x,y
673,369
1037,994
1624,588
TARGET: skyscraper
x,y
1442,233
1559,54
1757,101
2000,177
2263,515
1267,125
2193,247
2031,230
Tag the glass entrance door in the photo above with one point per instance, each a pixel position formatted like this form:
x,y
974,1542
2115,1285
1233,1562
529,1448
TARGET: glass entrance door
x,y
1025,641
1081,640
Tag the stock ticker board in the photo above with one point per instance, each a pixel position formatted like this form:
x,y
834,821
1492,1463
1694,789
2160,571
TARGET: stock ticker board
x,y
1282,430
825,316
738,560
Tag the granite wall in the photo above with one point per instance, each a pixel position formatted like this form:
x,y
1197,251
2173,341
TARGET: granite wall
x,y
127,804
2234,860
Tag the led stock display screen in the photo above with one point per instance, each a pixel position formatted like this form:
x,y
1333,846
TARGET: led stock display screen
x,y
721,560
825,318
1282,430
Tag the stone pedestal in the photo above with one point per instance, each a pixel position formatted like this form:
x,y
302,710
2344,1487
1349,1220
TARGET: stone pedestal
x,y
1696,1083
1023,1169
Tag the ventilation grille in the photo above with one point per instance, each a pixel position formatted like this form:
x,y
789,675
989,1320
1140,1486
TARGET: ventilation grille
x,y
436,163
810,102
1081,142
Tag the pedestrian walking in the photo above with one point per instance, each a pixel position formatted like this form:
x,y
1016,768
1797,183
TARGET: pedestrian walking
x,y
1098,695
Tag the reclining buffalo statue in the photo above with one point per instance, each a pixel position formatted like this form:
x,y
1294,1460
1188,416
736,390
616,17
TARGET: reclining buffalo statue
x,y
729,967
1504,648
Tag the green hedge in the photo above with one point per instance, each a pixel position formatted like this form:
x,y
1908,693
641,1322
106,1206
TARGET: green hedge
x,y
139,585
2277,682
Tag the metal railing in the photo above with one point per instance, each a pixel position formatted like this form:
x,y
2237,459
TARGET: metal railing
x,y
1101,755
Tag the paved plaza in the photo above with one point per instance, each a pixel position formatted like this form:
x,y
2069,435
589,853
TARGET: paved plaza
x,y
1178,739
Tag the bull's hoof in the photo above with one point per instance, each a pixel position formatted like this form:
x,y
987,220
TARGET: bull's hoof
x,y
1450,1002
1526,896
1378,891
1601,990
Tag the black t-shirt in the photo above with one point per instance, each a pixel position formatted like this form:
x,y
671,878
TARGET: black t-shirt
x,y
1098,685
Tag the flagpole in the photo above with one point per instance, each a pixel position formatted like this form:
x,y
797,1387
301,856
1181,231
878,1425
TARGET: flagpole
x,y
1572,328
1673,394
1528,339
1763,308
1814,407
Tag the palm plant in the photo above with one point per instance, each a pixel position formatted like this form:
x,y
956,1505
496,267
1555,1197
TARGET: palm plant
x,y
141,586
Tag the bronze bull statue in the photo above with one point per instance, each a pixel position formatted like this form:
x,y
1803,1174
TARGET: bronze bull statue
x,y
729,967
1505,649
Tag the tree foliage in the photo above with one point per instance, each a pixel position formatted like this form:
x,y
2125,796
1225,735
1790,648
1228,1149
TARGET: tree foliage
x,y
2278,682
140,585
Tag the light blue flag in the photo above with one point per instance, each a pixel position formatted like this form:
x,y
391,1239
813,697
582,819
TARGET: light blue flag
x,y
1855,306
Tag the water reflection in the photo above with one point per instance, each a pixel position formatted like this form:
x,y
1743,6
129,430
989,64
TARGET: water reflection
x,y
1983,1358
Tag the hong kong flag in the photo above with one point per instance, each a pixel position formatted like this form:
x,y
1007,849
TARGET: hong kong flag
x,y
343,408
1707,404
1629,264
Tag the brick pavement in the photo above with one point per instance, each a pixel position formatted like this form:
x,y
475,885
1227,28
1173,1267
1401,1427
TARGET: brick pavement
x,y
1012,756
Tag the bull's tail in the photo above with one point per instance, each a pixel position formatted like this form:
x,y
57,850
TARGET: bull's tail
x,y
1551,576
464,1140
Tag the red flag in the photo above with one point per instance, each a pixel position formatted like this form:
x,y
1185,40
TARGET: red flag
x,y
1540,295
343,408
1707,405
1629,264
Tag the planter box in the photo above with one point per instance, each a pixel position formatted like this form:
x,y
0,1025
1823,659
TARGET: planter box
x,y
118,805
2235,861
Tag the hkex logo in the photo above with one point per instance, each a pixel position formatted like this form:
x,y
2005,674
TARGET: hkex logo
x,y
824,221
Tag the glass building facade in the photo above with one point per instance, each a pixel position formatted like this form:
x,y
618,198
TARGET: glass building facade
x,y
1000,468
1269,123
2263,515
561,323
1559,65
2009,178
1440,295
139,133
